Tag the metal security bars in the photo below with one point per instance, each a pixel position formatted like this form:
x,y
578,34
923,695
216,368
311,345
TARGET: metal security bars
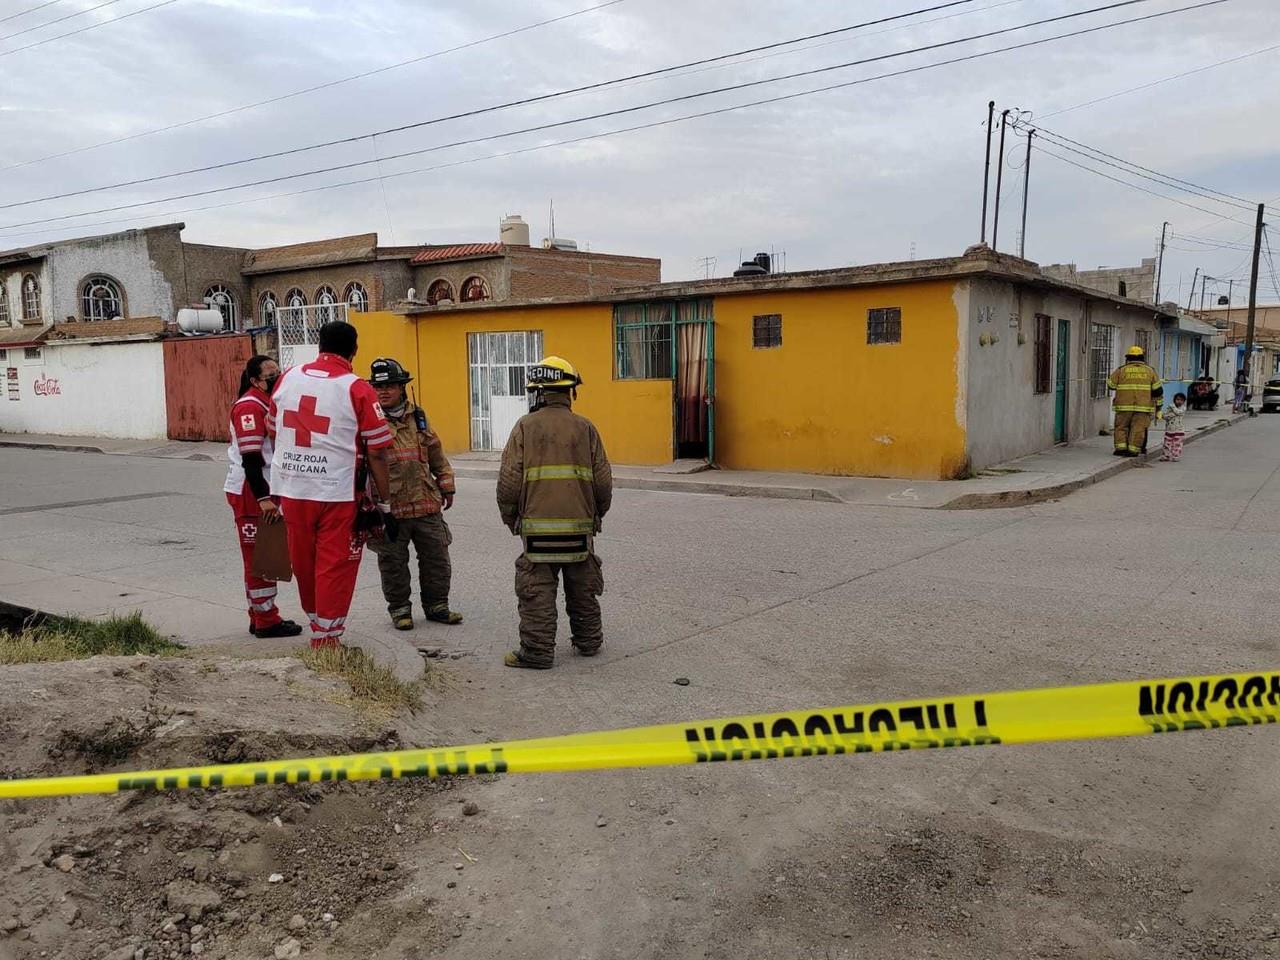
x,y
884,325
766,331
1102,338
1044,380
644,336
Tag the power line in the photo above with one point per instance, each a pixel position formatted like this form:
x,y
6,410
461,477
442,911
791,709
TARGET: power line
x,y
509,104
50,23
1131,186
312,89
598,136
550,126
1207,192
1156,83
23,13
92,26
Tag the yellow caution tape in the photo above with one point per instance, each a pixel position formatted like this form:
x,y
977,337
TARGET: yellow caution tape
x,y
1021,716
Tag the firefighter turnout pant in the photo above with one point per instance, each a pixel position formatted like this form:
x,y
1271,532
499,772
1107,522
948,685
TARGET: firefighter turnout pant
x,y
430,537
536,598
260,593
1131,430
324,550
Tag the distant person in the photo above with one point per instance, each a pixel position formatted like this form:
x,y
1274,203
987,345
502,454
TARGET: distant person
x,y
422,487
554,488
1204,393
1175,429
327,428
249,493
1139,394
1241,402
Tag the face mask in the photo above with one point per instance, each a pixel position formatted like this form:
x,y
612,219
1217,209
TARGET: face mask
x,y
271,382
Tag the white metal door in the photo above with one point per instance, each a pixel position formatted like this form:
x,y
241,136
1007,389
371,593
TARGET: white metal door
x,y
499,365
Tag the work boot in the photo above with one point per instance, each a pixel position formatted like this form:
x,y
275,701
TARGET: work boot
x,y
587,651
285,628
403,621
1117,452
442,614
513,659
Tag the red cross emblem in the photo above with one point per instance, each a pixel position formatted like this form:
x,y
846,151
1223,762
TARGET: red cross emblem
x,y
305,421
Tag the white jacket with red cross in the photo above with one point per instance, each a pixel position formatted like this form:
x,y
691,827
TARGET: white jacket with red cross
x,y
323,417
248,435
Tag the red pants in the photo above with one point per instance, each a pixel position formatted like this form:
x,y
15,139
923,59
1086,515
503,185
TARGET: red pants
x,y
325,553
260,593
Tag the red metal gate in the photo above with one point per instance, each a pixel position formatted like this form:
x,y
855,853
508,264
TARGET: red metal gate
x,y
200,379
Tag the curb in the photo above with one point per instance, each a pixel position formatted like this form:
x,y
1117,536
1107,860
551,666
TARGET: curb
x,y
83,448
1023,498
759,491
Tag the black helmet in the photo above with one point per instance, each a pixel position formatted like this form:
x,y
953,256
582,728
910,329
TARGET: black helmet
x,y
385,370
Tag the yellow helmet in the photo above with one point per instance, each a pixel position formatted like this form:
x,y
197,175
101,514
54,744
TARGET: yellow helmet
x,y
1135,351
552,372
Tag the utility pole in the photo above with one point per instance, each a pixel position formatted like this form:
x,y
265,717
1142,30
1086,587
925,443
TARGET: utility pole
x,y
986,169
995,223
1203,280
1160,263
1026,184
1253,291
1191,297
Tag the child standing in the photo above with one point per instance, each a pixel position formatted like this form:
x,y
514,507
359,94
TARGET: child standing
x,y
1174,428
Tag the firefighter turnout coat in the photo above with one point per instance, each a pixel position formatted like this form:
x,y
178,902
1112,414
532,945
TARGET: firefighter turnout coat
x,y
555,484
1138,388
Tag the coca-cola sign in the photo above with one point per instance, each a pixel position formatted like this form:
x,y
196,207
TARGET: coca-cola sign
x,y
47,387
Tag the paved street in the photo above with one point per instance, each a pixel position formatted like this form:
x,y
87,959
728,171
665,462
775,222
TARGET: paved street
x,y
768,604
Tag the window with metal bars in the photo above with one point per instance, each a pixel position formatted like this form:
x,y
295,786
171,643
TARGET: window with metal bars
x,y
1102,338
884,325
766,330
1044,341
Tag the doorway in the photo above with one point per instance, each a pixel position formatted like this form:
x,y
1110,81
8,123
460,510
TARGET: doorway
x,y
499,365
695,346
1061,377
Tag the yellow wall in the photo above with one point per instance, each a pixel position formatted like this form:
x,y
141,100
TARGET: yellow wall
x,y
828,402
384,334
633,417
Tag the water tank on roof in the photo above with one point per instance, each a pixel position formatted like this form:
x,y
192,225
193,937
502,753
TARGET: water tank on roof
x,y
513,231
193,321
750,268
558,243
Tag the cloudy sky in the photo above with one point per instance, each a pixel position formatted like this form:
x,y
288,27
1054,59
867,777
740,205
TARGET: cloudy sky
x,y
871,172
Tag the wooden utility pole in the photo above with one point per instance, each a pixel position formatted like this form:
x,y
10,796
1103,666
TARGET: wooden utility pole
x,y
1026,185
1191,298
995,221
1253,290
1160,263
986,169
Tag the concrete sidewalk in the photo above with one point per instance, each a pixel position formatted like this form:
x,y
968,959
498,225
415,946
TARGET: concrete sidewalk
x,y
1046,475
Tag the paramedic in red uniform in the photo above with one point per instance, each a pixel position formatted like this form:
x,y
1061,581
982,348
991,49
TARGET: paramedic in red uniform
x,y
249,493
324,422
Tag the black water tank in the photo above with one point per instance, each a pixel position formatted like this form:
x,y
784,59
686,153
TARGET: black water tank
x,y
765,262
750,268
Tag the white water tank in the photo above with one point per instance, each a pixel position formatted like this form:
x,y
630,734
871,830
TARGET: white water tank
x,y
207,320
513,231
558,243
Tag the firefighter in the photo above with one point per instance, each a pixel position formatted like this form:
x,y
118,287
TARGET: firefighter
x,y
323,421
1139,394
248,490
422,486
554,488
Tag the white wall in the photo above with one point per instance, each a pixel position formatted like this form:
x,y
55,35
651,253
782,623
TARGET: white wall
x,y
92,390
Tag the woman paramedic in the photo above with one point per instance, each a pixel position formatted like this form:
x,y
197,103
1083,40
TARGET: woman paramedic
x,y
249,493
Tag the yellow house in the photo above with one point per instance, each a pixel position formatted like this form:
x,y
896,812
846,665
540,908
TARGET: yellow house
x,y
923,370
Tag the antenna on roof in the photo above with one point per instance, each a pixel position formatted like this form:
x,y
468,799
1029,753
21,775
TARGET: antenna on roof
x,y
551,226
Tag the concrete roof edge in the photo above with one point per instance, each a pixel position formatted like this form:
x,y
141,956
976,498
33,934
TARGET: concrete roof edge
x,y
38,250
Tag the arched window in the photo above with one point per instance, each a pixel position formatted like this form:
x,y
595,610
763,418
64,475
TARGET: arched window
x,y
326,298
295,298
473,289
356,296
30,298
4,303
224,301
267,309
439,291
100,299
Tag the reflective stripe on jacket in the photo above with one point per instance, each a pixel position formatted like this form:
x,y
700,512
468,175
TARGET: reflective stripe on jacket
x,y
1138,388
555,484
421,475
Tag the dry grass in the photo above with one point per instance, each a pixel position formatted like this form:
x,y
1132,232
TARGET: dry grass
x,y
373,688
71,638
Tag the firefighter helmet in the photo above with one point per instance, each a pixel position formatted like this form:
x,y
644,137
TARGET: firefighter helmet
x,y
553,373
1135,351
384,371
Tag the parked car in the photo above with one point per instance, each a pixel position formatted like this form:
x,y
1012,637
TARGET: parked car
x,y
1271,396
